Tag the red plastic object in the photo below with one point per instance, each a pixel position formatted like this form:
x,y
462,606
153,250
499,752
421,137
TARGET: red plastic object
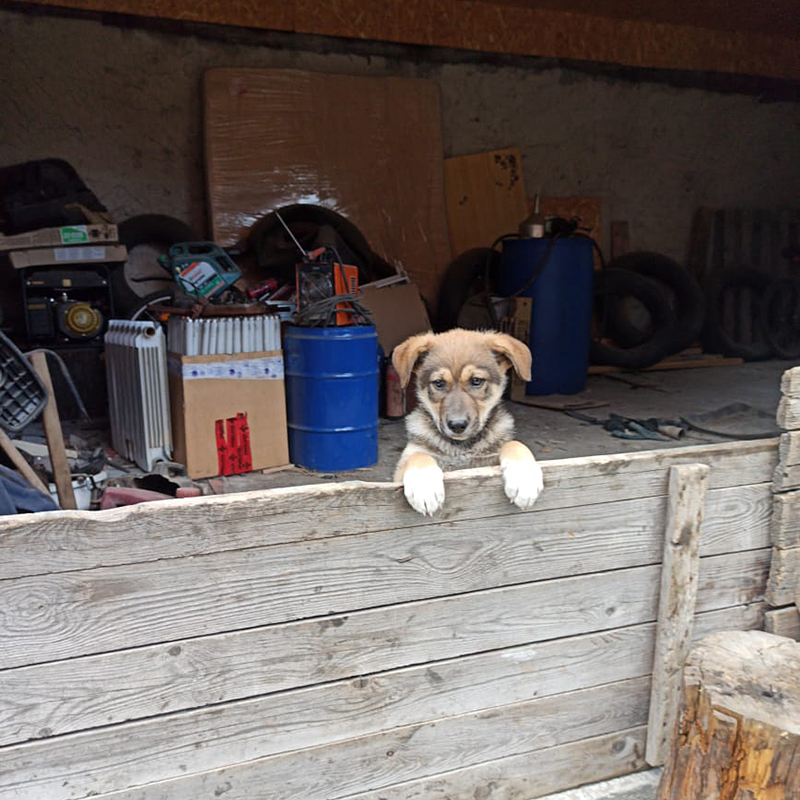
x,y
116,496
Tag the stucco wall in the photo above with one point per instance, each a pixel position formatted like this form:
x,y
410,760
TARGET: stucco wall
x,y
122,104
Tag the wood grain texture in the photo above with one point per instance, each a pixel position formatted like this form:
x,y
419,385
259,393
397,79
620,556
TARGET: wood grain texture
x,y
786,478
132,605
790,382
739,731
18,461
788,415
416,751
785,521
495,27
175,745
276,135
484,197
680,569
783,622
59,541
78,693
54,435
529,774
789,451
784,576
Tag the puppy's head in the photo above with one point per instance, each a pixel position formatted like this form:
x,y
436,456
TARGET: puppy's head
x,y
461,375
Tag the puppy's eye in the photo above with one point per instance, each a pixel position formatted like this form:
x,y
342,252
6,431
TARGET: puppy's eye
x,y
476,381
439,383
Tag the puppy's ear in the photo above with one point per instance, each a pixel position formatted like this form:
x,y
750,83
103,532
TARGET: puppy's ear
x,y
513,352
405,355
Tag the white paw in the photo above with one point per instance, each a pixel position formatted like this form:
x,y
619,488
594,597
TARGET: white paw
x,y
424,488
522,481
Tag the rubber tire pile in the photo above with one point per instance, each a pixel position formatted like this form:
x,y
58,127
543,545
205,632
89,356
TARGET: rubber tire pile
x,y
742,313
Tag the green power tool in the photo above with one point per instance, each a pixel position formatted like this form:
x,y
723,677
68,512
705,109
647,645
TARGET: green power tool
x,y
201,269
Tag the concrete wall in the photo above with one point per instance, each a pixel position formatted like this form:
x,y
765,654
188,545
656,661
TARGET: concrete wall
x,y
122,104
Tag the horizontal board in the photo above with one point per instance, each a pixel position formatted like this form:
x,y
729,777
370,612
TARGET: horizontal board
x,y
529,775
73,540
65,615
175,745
786,478
79,693
784,575
416,751
788,415
789,449
785,522
783,622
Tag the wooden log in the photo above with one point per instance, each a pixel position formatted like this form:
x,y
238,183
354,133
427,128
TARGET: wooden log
x,y
790,382
785,522
786,478
789,451
25,469
783,622
788,416
55,438
739,731
783,576
679,578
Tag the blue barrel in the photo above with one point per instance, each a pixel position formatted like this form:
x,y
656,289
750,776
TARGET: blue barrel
x,y
561,313
332,396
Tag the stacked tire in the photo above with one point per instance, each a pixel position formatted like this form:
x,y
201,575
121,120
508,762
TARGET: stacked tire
x,y
671,310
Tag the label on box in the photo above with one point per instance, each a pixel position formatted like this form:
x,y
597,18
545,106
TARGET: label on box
x,y
74,234
267,368
79,253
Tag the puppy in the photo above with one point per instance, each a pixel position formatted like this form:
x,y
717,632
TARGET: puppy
x,y
460,421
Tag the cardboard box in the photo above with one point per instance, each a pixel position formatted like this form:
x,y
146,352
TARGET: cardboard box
x,y
518,325
398,312
62,256
228,412
55,237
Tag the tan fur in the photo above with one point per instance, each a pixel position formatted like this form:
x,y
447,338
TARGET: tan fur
x,y
459,421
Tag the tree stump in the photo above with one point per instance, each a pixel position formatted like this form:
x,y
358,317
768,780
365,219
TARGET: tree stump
x,y
738,734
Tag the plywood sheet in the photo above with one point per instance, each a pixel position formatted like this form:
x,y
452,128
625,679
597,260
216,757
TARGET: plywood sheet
x,y
368,148
485,196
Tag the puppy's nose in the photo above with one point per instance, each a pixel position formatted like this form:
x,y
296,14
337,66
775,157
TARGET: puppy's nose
x,y
457,425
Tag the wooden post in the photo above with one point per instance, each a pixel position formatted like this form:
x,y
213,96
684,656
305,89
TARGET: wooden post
x,y
679,575
55,437
20,463
738,736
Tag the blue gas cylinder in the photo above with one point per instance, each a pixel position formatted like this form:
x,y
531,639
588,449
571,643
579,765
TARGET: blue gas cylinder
x,y
332,381
561,313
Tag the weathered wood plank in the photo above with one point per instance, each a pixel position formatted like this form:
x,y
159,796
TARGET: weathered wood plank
x,y
416,751
783,576
783,622
175,745
786,478
680,569
80,693
785,523
789,449
790,382
78,613
529,774
788,416
61,541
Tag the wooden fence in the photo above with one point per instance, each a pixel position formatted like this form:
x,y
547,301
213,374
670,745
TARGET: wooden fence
x,y
328,642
